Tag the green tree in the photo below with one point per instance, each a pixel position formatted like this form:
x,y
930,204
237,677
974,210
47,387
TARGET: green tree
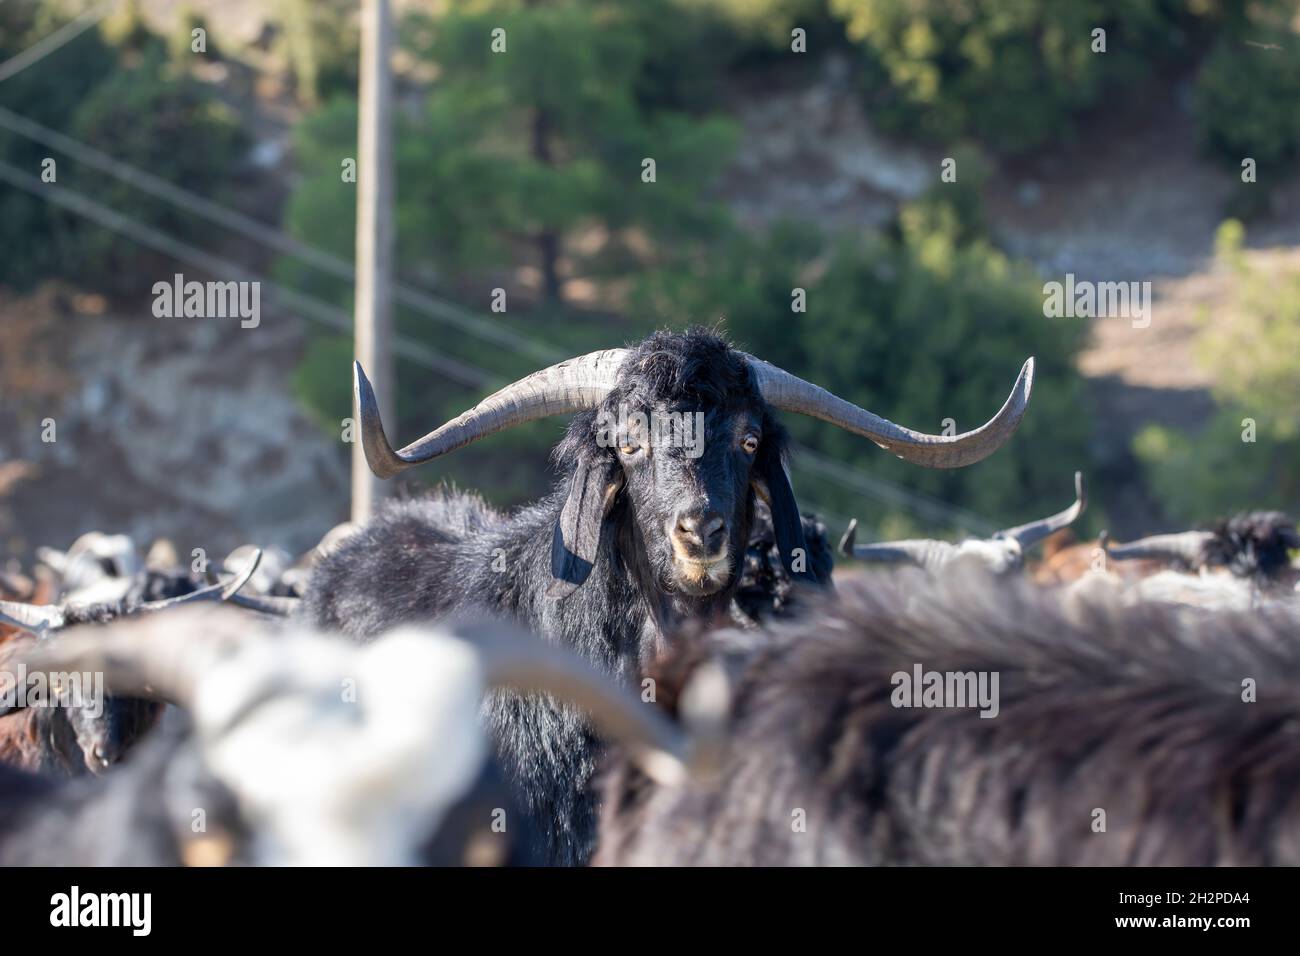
x,y
321,44
128,101
155,117
1015,74
30,228
1246,102
180,44
529,158
920,325
1249,454
527,148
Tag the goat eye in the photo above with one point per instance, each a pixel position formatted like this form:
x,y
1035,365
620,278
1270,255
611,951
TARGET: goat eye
x,y
749,443
629,449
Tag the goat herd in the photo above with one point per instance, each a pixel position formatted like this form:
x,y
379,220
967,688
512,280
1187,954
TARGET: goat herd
x,y
654,665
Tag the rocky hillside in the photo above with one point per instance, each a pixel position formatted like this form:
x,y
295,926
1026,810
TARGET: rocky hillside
x,y
183,427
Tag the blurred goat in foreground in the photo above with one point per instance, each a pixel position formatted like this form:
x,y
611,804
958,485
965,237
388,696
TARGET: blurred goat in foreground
x,y
1121,733
303,749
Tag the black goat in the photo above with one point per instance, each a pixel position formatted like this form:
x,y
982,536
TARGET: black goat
x,y
87,731
145,591
273,765
1115,734
765,590
78,728
673,441
1254,545
1004,553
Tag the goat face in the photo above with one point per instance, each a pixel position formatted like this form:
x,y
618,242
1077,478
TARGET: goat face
x,y
692,504
679,449
87,726
105,732
725,394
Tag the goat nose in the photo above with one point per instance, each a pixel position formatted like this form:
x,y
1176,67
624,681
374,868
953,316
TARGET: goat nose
x,y
701,528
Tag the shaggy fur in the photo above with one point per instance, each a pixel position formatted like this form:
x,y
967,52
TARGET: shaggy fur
x,y
71,740
434,557
766,590
450,553
142,815
1253,545
287,770
1136,710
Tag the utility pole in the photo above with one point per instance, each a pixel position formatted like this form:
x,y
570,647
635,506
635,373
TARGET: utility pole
x,y
374,266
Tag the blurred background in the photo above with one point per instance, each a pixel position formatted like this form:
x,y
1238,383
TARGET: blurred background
x,y
776,170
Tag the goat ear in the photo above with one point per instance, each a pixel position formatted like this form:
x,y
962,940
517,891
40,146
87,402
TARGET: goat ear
x,y
577,533
771,483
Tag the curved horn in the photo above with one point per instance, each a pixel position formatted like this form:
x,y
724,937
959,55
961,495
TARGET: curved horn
x,y
1184,547
531,665
36,618
925,553
1028,535
791,393
274,605
849,537
140,657
42,618
213,592
573,385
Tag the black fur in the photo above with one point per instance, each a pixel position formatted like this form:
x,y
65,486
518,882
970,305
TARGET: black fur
x,y
73,740
147,586
766,590
142,815
625,596
77,737
1253,545
1136,710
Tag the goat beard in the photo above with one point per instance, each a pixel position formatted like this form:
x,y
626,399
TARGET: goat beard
x,y
661,578
704,578
695,578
